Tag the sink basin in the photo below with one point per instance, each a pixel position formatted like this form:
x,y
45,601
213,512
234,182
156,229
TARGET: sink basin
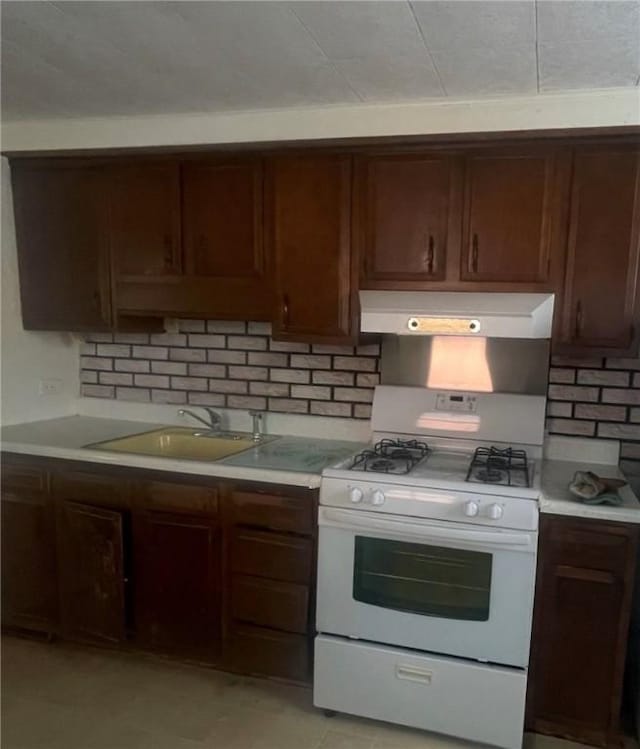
x,y
180,442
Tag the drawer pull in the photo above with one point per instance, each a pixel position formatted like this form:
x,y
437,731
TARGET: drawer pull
x,y
414,673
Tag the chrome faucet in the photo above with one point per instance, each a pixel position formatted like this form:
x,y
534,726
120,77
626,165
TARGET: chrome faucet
x,y
213,424
257,425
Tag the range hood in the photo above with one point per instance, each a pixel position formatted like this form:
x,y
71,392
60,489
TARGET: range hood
x,y
490,314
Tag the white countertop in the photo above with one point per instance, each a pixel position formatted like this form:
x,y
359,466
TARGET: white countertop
x,y
297,461
556,499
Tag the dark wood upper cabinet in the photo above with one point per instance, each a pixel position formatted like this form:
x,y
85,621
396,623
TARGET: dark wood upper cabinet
x,y
601,290
144,202
309,231
91,571
507,221
406,210
63,246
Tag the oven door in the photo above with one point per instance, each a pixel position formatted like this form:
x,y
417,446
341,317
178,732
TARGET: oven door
x,y
442,587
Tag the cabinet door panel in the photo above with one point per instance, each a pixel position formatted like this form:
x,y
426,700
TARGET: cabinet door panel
x,y
145,218
310,223
601,299
29,584
177,590
507,222
405,214
63,251
91,572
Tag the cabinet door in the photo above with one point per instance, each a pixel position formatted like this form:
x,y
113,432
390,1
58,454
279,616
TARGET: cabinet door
x,y
406,202
177,589
29,583
601,297
63,251
507,217
145,218
91,572
309,212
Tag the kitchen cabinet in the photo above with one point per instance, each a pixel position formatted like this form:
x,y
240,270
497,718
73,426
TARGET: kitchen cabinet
x,y
308,214
177,555
581,621
602,289
29,581
407,218
63,246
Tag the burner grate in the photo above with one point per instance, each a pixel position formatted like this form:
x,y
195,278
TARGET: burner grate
x,y
493,465
391,456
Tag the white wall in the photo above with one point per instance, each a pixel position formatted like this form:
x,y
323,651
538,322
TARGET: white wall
x,y
27,357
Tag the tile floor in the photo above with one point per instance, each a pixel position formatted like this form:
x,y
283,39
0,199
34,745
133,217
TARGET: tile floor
x,y
58,696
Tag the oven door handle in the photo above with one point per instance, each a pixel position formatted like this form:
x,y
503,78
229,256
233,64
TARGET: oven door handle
x,y
423,531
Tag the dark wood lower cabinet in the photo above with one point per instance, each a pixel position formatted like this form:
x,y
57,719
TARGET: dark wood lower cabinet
x,y
581,622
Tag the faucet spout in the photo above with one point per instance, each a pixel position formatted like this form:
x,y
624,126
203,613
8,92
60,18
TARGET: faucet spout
x,y
214,422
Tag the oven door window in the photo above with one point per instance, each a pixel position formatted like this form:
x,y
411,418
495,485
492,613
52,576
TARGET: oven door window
x,y
422,579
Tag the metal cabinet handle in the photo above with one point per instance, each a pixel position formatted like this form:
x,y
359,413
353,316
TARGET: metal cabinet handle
x,y
474,254
579,320
430,256
285,310
168,252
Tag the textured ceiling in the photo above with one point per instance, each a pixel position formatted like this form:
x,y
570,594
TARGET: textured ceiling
x,y
69,59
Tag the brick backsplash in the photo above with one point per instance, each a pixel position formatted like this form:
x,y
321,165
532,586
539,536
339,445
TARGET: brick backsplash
x,y
595,397
230,365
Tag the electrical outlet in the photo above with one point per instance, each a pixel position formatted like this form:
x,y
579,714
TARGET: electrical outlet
x,y
50,386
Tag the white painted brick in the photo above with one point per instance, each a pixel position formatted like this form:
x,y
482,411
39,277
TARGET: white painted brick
x,y
636,380
95,362
621,395
96,391
300,376
602,377
618,363
130,338
248,373
600,413
139,395
323,348
619,431
88,349
188,354
207,370
226,326
151,381
287,405
89,377
259,328
630,450
368,349
227,386
334,378
169,339
289,347
315,392
266,359
246,401
100,338
190,383
367,380
247,342
309,361
169,367
571,426
113,349
131,365
573,393
169,396
562,375
191,326
116,378
355,363
634,416
559,408
327,408
150,352
206,341
361,411
205,399
221,356
353,394
276,389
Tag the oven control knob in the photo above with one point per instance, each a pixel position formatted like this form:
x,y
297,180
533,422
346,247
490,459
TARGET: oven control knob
x,y
355,495
495,512
471,509
377,497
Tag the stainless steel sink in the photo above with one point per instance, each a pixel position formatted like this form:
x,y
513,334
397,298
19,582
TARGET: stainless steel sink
x,y
183,443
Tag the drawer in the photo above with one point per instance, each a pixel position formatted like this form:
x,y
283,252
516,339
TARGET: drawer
x,y
19,477
268,603
579,545
253,650
279,513
176,497
444,695
89,488
271,555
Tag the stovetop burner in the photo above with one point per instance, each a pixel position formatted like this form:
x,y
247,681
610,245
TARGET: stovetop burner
x,y
492,465
391,456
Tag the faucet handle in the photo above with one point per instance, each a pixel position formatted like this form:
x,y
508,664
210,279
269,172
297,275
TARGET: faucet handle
x,y
214,416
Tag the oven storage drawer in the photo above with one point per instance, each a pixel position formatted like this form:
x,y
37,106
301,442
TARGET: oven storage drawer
x,y
474,701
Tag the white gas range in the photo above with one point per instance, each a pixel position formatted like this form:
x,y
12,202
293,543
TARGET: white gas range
x,y
426,564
